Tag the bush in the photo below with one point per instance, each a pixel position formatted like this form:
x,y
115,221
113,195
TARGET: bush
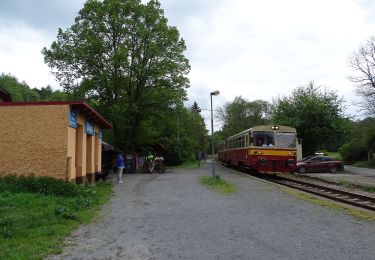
x,y
40,185
355,150
174,155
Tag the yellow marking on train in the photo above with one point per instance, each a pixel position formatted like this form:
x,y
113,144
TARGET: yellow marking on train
x,y
271,152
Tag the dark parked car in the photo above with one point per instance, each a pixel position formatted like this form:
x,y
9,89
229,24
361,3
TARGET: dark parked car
x,y
319,164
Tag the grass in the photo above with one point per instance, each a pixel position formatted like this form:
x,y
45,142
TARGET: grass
x,y
217,184
190,164
33,224
359,214
352,185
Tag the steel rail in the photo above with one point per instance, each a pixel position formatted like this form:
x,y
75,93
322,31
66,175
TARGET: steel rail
x,y
350,198
345,197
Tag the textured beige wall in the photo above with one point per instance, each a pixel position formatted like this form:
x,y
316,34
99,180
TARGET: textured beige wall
x,y
90,164
34,140
71,153
98,150
80,163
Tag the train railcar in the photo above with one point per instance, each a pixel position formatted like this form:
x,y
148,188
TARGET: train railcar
x,y
266,149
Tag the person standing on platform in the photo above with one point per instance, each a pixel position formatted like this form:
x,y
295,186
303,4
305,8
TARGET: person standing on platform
x,y
120,167
199,158
151,162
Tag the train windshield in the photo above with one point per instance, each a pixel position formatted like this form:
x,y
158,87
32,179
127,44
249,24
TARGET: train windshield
x,y
263,138
285,140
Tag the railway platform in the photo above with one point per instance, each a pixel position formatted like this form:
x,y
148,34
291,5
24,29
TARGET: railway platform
x,y
361,176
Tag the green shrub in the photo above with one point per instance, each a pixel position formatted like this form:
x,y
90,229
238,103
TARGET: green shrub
x,y
40,185
355,150
32,224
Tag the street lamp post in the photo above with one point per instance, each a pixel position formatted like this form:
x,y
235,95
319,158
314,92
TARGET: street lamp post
x,y
214,93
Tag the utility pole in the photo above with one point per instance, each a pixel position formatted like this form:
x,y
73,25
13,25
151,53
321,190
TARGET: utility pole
x,y
214,93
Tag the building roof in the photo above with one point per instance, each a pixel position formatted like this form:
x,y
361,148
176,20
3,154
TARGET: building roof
x,y
85,109
5,95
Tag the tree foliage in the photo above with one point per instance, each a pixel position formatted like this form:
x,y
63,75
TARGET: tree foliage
x,y
48,94
363,63
22,91
241,114
317,115
126,58
19,91
183,133
362,142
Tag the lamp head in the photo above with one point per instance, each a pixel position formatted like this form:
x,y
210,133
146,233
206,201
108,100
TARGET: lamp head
x,y
215,93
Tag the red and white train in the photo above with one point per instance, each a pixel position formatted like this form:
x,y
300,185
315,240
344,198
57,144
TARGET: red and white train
x,y
266,149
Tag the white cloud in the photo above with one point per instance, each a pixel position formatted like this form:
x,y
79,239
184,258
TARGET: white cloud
x,y
20,52
264,49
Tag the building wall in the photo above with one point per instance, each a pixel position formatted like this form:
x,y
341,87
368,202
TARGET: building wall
x,y
71,153
98,151
34,140
83,152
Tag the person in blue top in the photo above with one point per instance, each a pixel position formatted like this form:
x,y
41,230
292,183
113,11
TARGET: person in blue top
x,y
120,163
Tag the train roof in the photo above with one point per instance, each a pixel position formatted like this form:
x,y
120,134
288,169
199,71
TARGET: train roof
x,y
275,128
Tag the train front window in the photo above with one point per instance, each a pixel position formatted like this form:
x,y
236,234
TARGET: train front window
x,y
285,140
263,138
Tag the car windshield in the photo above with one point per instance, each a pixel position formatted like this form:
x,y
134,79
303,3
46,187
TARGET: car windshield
x,y
263,138
285,140
306,158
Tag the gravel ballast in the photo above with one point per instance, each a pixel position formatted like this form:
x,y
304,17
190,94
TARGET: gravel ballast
x,y
172,216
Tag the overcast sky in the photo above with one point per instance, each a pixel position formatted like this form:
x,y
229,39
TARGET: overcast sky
x,y
259,49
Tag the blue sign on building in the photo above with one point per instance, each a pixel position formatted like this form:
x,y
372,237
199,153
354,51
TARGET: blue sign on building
x,y
73,118
89,128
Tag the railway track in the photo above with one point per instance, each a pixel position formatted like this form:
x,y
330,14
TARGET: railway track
x,y
350,198
345,197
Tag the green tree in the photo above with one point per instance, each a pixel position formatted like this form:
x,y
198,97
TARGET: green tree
x,y
48,94
317,115
20,90
183,133
195,107
362,142
44,92
197,127
123,57
241,114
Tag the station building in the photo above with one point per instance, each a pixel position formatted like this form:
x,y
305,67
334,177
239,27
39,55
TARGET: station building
x,y
5,96
60,139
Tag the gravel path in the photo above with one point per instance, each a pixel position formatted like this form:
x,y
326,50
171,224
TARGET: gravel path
x,y
172,216
362,171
